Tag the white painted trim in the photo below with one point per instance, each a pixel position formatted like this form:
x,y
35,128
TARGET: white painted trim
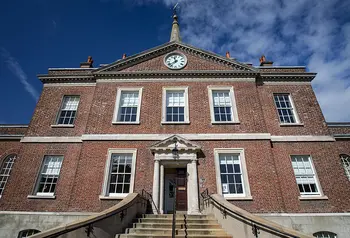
x,y
13,126
57,69
117,196
63,126
51,139
69,84
301,138
186,110
112,80
246,188
280,67
286,83
159,137
303,214
42,196
104,193
117,105
233,104
48,213
310,197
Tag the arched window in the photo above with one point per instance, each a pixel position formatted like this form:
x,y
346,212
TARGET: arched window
x,y
325,234
27,233
5,171
345,159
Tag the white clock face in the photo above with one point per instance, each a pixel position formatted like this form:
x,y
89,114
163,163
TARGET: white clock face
x,y
175,61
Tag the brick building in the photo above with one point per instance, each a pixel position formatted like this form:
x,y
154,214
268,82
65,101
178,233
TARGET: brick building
x,y
254,134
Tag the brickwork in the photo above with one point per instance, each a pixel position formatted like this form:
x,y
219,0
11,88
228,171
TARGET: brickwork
x,y
340,130
48,108
282,70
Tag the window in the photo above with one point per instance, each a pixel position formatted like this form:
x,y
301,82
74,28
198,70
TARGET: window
x,y
128,105
27,233
5,171
345,159
175,105
119,174
68,110
232,178
325,234
222,105
49,173
305,175
285,108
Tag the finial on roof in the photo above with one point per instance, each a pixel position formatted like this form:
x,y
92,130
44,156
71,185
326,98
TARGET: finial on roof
x,y
175,31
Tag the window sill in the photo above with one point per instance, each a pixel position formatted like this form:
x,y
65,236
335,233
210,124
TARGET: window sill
x,y
41,196
118,197
291,124
225,122
246,198
125,123
176,123
316,197
63,126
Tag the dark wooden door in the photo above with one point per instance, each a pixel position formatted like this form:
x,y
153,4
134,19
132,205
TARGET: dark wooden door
x,y
181,192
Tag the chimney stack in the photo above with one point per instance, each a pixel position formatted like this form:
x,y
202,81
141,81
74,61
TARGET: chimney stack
x,y
228,54
263,61
124,56
87,64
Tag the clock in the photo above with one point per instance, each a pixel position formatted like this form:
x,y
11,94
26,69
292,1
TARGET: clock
x,y
175,60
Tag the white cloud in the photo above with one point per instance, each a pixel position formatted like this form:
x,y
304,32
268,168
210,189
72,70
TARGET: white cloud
x,y
13,65
312,33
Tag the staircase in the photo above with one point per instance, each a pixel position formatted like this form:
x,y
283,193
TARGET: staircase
x,y
160,226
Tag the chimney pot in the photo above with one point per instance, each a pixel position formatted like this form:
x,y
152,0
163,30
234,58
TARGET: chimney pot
x,y
88,63
124,56
228,54
263,61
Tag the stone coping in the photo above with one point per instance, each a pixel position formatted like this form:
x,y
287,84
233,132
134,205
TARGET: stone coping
x,y
256,219
122,205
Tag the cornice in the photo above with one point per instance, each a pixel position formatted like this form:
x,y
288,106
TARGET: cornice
x,y
281,77
66,78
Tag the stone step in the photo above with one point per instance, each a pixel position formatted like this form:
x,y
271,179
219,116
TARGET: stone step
x,y
169,236
162,231
178,216
178,221
179,226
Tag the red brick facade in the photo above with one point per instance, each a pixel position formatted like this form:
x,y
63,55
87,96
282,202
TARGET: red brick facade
x,y
271,178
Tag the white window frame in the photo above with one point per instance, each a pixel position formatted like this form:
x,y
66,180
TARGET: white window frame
x,y
164,105
296,117
41,194
105,194
5,176
345,161
317,182
234,110
117,105
59,112
246,195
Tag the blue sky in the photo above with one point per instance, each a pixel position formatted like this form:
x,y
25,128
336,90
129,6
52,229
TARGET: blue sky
x,y
39,34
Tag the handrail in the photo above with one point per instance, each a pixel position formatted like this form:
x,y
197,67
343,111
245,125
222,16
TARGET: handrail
x,y
120,207
173,227
149,197
256,225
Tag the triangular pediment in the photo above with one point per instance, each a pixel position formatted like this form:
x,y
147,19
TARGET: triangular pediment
x,y
169,144
152,61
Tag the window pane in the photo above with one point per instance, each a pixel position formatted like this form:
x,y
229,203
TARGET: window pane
x,y
5,171
325,234
304,175
27,233
345,159
68,110
120,173
175,106
49,174
129,101
222,105
230,174
284,108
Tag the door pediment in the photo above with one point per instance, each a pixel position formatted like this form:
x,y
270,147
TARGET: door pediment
x,y
168,144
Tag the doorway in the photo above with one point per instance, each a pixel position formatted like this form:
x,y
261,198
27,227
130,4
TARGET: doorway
x,y
175,178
